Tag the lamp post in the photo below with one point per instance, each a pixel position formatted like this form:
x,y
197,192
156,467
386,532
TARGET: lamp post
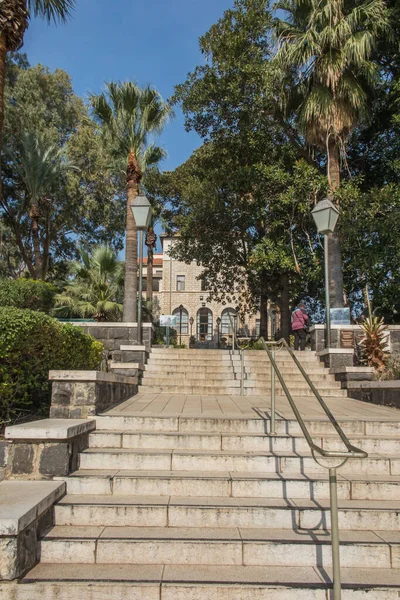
x,y
326,215
142,211
181,309
191,321
218,329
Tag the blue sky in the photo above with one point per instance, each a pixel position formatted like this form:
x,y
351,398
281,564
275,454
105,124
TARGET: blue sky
x,y
150,41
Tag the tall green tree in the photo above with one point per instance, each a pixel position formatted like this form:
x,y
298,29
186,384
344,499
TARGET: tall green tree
x,y
129,116
14,20
330,46
84,207
249,156
95,287
41,165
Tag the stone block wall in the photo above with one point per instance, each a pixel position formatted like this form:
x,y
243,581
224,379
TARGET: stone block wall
x,y
113,335
386,393
20,553
44,459
80,394
317,333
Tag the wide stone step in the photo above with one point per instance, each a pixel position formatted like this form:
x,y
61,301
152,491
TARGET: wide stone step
x,y
201,369
246,442
231,484
321,379
230,387
151,511
182,582
235,424
217,546
214,460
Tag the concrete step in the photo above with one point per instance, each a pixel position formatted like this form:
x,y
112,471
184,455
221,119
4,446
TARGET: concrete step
x,y
175,511
214,368
234,484
217,546
230,387
182,582
245,442
235,424
322,379
217,460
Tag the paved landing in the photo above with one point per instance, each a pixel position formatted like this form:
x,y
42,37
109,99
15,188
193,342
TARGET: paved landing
x,y
244,406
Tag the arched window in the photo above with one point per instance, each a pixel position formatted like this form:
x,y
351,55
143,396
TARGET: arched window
x,y
226,327
204,324
185,321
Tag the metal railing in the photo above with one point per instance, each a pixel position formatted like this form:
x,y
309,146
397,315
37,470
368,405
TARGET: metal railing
x,y
350,452
233,322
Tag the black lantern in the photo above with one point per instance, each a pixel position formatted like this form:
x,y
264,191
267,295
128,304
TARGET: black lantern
x,y
218,320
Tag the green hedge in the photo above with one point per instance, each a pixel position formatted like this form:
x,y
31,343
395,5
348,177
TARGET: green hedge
x,y
31,344
27,293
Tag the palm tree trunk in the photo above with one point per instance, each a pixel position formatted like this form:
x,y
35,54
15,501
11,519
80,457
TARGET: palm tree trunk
x,y
3,56
36,241
131,268
149,277
264,309
335,253
284,307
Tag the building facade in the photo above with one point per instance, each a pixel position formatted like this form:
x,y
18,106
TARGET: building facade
x,y
178,290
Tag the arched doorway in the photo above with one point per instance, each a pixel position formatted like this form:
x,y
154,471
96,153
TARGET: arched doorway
x,y
182,328
226,327
204,324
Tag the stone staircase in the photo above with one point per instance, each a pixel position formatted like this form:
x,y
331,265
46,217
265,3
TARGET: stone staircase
x,y
200,507
211,372
205,508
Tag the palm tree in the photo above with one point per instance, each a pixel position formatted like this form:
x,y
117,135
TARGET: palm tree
x,y
14,20
151,242
327,46
128,116
95,289
40,166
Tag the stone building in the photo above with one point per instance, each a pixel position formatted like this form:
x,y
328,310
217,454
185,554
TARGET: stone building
x,y
179,290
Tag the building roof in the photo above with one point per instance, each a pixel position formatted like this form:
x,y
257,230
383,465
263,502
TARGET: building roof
x,y
157,260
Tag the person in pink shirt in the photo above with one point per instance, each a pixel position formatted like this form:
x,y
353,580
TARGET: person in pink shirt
x,y
300,321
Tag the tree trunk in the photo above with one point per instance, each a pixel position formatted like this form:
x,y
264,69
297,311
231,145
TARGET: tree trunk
x,y
284,307
149,278
3,56
46,250
335,254
131,268
264,308
36,241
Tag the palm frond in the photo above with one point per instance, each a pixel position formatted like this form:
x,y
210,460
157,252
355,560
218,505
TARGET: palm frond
x,y
51,10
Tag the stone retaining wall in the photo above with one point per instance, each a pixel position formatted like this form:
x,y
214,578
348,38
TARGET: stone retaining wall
x,y
317,333
83,394
46,449
386,393
113,335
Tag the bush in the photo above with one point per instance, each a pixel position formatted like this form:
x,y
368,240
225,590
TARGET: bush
x,y
27,293
31,344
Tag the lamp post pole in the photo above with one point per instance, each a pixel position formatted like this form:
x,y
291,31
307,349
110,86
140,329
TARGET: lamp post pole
x,y
191,321
140,291
180,323
325,215
218,331
327,294
142,211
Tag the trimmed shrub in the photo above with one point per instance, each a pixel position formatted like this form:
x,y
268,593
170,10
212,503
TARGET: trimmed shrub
x,y
31,344
27,293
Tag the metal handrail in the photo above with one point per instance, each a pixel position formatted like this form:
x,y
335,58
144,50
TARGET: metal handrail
x,y
352,451
233,326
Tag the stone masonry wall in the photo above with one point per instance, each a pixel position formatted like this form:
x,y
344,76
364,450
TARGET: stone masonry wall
x,y
83,399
